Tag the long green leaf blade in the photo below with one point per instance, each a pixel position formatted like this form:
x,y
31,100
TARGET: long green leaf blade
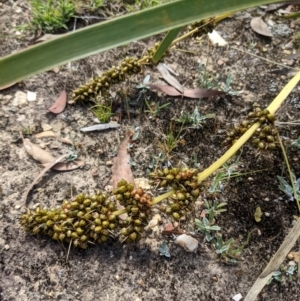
x,y
116,32
167,41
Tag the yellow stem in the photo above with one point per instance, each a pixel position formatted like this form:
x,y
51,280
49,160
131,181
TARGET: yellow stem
x,y
273,107
162,197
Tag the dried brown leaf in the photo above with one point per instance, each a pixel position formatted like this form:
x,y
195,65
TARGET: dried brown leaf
x,y
121,168
37,153
170,79
190,93
45,134
59,104
259,26
66,166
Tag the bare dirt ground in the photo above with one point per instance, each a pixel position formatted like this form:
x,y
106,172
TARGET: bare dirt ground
x,y
35,267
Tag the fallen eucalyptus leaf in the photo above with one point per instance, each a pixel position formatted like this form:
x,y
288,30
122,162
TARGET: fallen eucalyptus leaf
x,y
121,168
259,26
190,93
66,166
170,79
36,152
59,104
100,127
45,134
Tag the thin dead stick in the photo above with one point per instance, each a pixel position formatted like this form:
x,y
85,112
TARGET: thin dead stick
x,y
49,166
264,59
275,262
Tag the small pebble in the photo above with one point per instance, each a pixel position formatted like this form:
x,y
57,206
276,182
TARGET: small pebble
x,y
17,207
189,243
267,214
109,163
237,297
6,247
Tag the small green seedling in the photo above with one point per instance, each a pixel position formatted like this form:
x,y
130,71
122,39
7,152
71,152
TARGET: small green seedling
x,y
205,227
154,109
164,250
285,187
277,275
225,173
296,143
214,209
195,119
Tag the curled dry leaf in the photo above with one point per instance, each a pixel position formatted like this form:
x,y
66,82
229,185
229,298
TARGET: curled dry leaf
x,y
190,93
121,168
259,26
170,79
59,104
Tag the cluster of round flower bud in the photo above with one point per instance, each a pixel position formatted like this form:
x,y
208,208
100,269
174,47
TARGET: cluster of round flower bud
x,y
264,137
101,84
85,219
137,204
185,185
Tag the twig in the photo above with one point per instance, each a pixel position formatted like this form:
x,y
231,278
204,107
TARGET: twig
x,y
49,166
275,262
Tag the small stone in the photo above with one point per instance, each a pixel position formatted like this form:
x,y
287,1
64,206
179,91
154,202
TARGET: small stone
x,y
17,207
31,96
189,243
267,199
6,247
109,163
250,179
20,99
292,263
267,214
237,297
46,127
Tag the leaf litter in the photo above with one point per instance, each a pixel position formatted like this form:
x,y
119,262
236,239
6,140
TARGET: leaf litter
x,y
59,104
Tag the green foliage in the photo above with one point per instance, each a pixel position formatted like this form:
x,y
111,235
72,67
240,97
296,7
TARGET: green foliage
x,y
209,81
116,32
225,173
164,250
102,112
195,119
51,15
142,4
296,143
155,108
206,227
285,187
